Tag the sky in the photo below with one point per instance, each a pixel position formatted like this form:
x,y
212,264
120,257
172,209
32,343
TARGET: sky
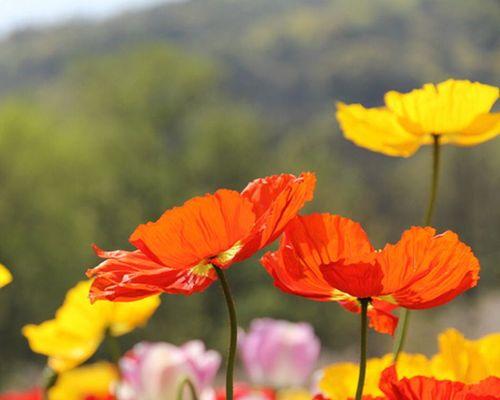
x,y
16,14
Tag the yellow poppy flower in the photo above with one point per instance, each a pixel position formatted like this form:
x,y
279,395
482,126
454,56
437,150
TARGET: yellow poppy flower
x,y
458,111
79,327
90,381
339,381
465,360
5,276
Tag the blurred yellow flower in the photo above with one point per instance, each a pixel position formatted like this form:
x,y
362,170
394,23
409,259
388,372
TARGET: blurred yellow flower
x,y
466,360
5,276
458,111
293,394
93,381
79,326
459,359
339,380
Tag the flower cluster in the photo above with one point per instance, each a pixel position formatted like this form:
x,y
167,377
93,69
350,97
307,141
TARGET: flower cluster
x,y
321,257
458,359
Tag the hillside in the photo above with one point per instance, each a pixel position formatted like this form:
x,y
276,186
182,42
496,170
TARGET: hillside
x,y
290,55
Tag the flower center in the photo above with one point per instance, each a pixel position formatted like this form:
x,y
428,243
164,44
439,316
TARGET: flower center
x,y
204,267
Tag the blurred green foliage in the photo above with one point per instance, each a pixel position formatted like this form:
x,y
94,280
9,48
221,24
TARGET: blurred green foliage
x,y
104,126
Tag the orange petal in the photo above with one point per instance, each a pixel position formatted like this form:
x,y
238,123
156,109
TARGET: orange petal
x,y
487,389
425,270
427,388
418,387
362,279
291,277
313,253
130,276
202,228
381,317
339,249
379,313
276,200
397,261
320,239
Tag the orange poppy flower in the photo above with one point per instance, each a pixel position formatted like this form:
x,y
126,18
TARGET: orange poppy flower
x,y
425,388
176,254
326,257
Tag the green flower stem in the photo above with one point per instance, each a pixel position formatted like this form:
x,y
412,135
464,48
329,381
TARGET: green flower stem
x,y
401,334
49,379
113,347
436,161
362,356
180,392
233,331
405,316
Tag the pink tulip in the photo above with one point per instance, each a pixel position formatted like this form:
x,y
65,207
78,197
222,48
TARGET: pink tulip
x,y
279,353
154,371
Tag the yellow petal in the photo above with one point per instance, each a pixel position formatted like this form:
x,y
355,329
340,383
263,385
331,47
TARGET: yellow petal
x,y
65,348
489,351
5,276
465,360
339,381
376,129
483,128
124,317
446,108
94,380
293,394
78,314
410,365
79,326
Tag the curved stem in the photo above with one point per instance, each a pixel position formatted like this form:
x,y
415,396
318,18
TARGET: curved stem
x,y
180,392
431,205
362,356
233,332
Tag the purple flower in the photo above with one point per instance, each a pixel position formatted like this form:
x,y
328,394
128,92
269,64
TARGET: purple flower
x,y
279,353
153,371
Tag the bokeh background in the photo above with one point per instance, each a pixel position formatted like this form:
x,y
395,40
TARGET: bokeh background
x,y
106,122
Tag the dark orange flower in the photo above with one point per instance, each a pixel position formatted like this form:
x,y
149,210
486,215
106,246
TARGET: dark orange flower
x,y
426,388
176,254
326,257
